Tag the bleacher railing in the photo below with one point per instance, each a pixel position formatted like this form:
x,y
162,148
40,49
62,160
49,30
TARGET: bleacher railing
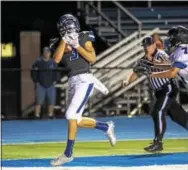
x,y
120,100
125,11
95,15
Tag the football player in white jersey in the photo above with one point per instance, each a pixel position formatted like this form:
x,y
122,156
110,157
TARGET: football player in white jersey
x,y
178,37
178,67
76,53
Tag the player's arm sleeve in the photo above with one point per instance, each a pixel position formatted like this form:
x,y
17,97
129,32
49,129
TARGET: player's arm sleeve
x,y
178,64
34,71
58,55
172,72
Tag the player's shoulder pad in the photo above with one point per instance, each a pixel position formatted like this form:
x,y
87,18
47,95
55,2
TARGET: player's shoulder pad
x,y
88,36
179,54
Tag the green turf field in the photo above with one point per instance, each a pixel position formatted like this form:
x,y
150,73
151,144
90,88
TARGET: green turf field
x,y
49,150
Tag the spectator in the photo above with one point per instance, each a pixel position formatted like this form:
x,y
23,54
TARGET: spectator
x,y
2,116
158,41
45,76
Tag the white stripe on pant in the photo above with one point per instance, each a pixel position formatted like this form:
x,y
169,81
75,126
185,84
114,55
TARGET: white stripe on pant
x,y
164,104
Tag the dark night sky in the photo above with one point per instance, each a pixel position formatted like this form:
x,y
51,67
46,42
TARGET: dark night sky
x,y
36,15
41,16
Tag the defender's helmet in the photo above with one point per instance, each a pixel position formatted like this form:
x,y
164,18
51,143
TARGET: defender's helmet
x,y
68,24
178,35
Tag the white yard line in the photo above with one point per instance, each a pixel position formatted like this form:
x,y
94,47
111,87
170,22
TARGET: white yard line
x,y
154,167
132,152
30,143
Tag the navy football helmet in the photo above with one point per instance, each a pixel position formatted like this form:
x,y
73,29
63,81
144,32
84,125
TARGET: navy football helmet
x,y
178,35
68,24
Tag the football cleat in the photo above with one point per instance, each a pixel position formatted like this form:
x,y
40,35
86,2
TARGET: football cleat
x,y
60,160
154,147
110,133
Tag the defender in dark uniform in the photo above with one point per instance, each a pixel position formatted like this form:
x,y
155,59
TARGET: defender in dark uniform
x,y
76,53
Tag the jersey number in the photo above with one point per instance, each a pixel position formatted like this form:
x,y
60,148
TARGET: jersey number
x,y
185,50
74,55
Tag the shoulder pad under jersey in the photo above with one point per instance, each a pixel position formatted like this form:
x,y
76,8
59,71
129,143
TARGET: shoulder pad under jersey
x,y
87,36
180,54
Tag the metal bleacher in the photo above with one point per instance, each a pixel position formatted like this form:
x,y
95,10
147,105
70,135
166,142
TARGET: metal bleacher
x,y
128,20
164,18
123,29
124,54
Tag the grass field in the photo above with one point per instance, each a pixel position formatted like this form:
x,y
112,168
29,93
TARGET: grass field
x,y
30,145
49,150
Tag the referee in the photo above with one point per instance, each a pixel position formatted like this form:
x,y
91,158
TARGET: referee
x,y
165,90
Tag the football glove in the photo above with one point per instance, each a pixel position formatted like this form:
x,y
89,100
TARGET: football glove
x,y
140,70
53,43
143,66
145,63
72,39
67,39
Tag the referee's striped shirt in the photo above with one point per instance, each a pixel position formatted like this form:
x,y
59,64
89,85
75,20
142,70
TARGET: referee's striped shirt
x,y
157,83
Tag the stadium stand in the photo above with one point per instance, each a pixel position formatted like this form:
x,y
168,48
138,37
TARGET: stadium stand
x,y
124,28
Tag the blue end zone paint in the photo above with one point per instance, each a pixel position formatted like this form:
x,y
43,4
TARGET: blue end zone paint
x,y
56,130
120,161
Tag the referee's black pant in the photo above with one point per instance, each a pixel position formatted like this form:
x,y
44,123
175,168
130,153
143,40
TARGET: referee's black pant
x,y
166,103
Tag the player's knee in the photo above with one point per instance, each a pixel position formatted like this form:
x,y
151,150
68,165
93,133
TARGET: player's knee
x,y
73,117
78,121
69,116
